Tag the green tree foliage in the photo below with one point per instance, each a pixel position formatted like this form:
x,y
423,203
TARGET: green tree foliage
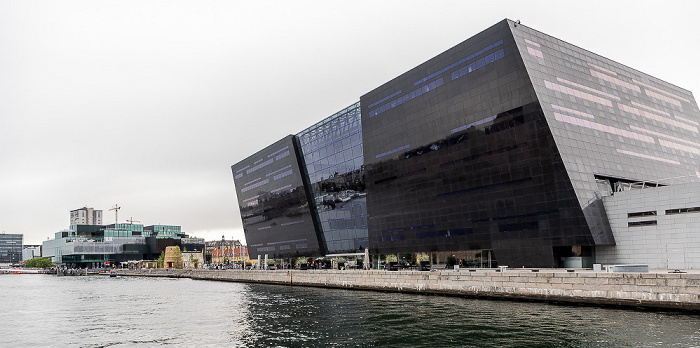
x,y
177,262
161,259
38,262
194,261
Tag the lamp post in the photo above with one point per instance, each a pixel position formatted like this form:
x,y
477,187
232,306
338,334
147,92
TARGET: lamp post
x,y
223,248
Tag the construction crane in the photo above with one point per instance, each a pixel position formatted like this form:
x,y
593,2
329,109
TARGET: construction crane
x,y
131,220
116,213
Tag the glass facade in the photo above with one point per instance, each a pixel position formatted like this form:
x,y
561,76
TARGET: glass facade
x,y
192,244
274,205
123,230
505,142
87,231
163,231
332,152
126,230
87,252
95,245
11,248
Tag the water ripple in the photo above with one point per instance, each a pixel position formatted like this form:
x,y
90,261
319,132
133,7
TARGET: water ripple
x,y
96,312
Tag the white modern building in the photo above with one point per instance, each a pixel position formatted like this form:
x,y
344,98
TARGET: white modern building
x,y
85,216
655,226
30,251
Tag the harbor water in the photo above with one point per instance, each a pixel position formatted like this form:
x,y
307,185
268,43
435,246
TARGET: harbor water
x,y
99,311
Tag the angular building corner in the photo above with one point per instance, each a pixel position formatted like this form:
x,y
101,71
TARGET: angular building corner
x,y
613,125
508,142
274,205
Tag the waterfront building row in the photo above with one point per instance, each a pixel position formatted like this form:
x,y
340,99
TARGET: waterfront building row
x,y
511,142
13,251
95,246
227,253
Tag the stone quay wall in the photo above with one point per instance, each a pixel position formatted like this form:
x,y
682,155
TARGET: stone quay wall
x,y
680,291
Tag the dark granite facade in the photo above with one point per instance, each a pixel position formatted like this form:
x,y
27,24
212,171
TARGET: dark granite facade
x,y
476,166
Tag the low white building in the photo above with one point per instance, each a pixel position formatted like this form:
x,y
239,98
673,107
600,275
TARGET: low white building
x,y
658,226
31,251
192,259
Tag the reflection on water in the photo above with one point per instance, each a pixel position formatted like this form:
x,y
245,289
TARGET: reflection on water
x,y
97,311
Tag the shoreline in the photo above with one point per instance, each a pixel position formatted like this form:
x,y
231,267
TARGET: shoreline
x,y
654,290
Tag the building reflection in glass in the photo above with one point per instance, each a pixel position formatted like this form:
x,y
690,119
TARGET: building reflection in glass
x,y
274,206
332,152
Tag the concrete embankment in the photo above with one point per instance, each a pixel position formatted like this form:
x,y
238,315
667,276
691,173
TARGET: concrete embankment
x,y
680,291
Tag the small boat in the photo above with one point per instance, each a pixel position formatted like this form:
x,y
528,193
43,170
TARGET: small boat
x,y
112,274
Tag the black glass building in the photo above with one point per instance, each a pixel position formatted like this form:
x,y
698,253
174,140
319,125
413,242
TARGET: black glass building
x,y
504,142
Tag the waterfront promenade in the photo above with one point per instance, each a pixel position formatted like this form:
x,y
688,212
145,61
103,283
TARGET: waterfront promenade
x,y
656,289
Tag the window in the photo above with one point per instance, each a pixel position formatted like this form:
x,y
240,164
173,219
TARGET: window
x,y
641,213
683,210
641,223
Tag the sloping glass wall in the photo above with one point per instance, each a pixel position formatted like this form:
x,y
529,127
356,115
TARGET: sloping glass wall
x,y
332,152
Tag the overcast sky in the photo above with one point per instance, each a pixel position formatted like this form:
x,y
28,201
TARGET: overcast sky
x,y
147,104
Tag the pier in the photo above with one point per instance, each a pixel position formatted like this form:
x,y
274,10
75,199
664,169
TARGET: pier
x,y
656,289
23,271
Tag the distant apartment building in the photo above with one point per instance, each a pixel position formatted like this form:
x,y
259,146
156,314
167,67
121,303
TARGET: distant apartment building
x,y
227,252
85,216
240,253
10,248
